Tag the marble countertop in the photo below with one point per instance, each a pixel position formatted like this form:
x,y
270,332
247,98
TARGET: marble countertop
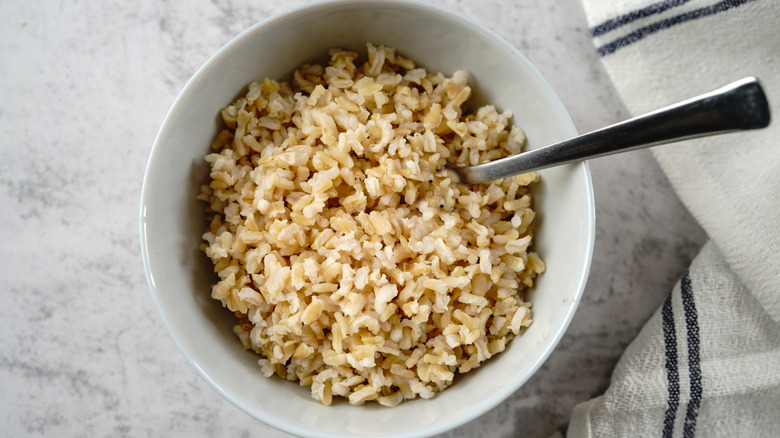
x,y
84,87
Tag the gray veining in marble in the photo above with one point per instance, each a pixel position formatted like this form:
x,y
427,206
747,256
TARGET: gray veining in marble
x,y
84,87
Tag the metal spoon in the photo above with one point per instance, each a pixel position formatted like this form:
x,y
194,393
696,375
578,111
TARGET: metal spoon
x,y
738,106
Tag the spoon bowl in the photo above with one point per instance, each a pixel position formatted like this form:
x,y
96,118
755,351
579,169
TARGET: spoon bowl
x,y
739,106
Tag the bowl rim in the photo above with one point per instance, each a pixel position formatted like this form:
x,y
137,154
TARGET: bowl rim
x,y
479,408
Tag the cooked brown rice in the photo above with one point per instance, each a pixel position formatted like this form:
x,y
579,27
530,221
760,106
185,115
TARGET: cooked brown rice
x,y
355,265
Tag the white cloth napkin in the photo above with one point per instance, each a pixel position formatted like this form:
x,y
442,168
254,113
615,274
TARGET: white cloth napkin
x,y
708,361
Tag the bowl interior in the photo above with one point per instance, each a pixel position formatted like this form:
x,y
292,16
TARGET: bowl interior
x,y
172,220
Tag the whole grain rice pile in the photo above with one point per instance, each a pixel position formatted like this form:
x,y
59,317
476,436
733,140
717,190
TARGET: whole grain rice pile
x,y
355,265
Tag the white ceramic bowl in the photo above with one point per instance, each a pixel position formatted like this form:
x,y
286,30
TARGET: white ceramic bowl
x,y
172,220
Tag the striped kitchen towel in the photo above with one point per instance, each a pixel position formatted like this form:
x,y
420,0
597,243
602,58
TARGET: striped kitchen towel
x,y
708,362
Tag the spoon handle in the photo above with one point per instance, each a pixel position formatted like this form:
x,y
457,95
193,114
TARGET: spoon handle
x,y
738,106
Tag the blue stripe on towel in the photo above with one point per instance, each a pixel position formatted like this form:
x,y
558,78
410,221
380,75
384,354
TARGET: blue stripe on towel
x,y
650,29
694,366
655,8
672,375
